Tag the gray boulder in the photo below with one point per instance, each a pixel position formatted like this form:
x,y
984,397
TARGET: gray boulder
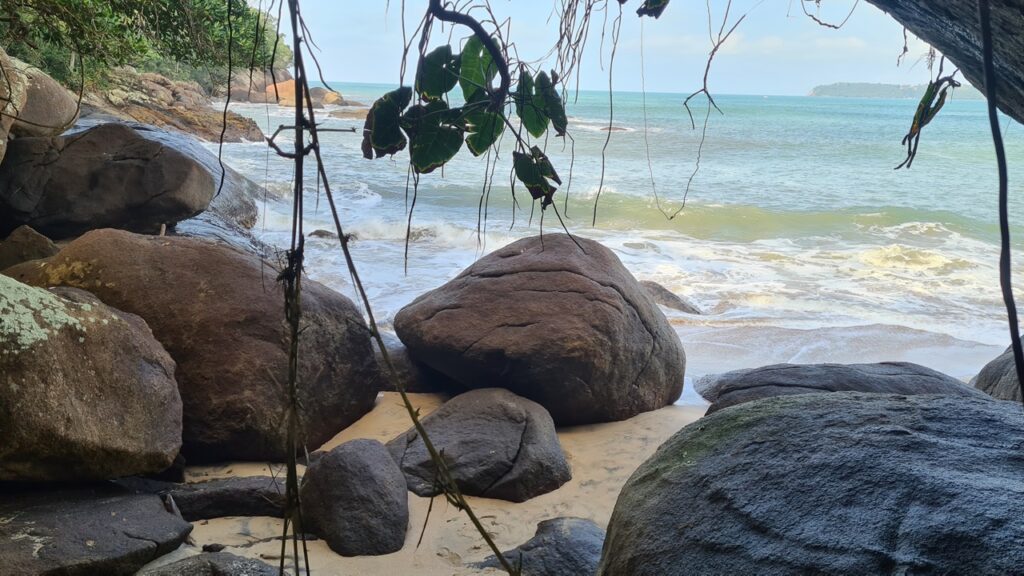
x,y
998,378
843,483
497,445
215,564
354,497
23,245
86,392
739,386
569,329
234,496
668,298
561,547
13,92
49,108
416,376
86,531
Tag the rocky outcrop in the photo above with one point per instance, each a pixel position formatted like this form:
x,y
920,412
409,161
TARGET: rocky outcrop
x,y
354,497
233,496
497,445
284,93
215,564
998,378
23,245
668,298
561,547
107,176
49,108
740,386
843,483
566,327
86,392
251,85
13,92
86,531
219,314
952,27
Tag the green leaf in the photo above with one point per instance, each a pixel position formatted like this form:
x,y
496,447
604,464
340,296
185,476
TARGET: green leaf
x,y
484,127
381,132
544,165
530,173
433,139
477,69
553,107
530,108
652,8
438,73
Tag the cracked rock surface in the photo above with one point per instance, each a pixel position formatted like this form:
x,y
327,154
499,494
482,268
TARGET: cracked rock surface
x,y
497,444
85,531
568,329
840,483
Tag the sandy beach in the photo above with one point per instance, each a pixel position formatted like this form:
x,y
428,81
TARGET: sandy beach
x,y
602,457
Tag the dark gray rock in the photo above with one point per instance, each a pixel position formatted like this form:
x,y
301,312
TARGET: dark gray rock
x,y
843,483
952,27
416,376
235,496
497,444
215,564
668,298
85,531
354,497
568,329
739,386
561,547
998,378
23,245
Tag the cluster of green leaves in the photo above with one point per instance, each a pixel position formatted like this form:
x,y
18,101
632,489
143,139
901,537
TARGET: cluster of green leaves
x,y
54,34
435,131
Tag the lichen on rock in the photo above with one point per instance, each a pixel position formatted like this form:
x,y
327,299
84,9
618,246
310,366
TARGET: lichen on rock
x,y
29,315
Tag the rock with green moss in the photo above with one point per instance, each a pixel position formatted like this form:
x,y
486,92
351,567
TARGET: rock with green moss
x,y
838,483
86,392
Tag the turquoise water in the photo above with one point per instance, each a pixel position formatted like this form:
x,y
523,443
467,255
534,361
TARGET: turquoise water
x,y
798,238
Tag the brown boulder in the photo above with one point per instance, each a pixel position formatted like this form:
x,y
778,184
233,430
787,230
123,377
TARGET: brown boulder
x,y
49,109
86,392
569,329
13,92
23,245
219,313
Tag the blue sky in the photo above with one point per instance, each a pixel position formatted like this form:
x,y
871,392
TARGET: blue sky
x,y
776,50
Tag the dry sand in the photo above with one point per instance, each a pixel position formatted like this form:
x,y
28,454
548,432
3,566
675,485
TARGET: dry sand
x,y
602,457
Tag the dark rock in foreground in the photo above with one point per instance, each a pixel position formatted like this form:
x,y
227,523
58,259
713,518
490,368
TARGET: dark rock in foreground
x,y
668,298
354,497
561,547
219,314
235,496
85,532
497,444
413,374
842,483
998,378
739,386
216,564
572,331
86,392
24,245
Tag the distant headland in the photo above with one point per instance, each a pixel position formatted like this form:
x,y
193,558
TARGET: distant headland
x,y
870,90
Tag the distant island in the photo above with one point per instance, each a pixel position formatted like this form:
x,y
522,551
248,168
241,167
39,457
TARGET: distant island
x,y
869,90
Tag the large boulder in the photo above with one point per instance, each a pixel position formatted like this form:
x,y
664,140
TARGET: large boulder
x,y
24,245
412,374
86,392
233,496
953,28
49,109
216,564
497,445
561,547
108,176
998,378
219,313
86,531
843,483
566,326
13,92
354,497
739,386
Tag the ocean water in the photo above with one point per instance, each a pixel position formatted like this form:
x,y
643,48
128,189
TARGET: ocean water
x,y
798,239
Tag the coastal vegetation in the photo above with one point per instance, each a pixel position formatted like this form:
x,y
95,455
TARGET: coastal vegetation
x,y
872,90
